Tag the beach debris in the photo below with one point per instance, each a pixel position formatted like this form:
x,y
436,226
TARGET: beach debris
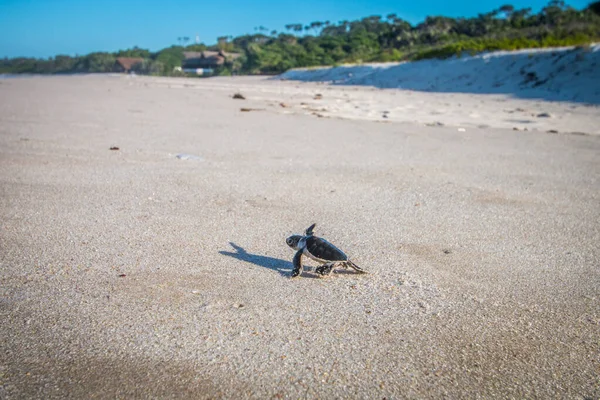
x,y
544,115
552,131
239,96
246,109
238,305
318,96
437,123
283,105
122,275
114,148
461,129
321,251
515,128
447,251
184,156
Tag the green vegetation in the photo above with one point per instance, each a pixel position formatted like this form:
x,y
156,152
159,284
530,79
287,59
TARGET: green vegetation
x,y
371,39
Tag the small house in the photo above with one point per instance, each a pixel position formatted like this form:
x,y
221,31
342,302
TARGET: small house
x,y
124,64
200,62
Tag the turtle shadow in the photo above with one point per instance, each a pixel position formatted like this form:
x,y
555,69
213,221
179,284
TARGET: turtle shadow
x,y
276,264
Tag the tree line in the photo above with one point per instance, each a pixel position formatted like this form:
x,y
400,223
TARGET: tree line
x,y
370,39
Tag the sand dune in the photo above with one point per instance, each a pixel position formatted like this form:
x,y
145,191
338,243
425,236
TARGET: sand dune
x,y
557,74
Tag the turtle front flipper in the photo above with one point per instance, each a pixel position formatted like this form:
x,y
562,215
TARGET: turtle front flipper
x,y
309,230
297,264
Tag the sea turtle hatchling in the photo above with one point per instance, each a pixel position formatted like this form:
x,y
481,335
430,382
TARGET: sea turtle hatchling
x,y
319,250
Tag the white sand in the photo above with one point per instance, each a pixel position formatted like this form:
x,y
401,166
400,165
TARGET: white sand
x,y
559,74
482,244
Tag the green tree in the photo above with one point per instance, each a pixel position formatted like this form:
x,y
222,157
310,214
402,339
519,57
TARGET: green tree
x,y
149,67
95,62
168,59
134,52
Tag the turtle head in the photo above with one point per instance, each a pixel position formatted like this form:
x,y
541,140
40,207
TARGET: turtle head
x,y
293,241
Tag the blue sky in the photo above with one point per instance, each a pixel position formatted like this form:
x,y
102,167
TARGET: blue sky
x,y
43,28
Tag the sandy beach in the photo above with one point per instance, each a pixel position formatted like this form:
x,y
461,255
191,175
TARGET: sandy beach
x,y
135,273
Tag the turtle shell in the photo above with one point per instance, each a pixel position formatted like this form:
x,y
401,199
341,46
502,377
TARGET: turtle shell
x,y
321,249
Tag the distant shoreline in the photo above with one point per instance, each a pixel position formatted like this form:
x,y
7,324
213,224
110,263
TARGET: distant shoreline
x,y
564,74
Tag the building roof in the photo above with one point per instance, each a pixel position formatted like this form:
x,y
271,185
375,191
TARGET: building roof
x,y
209,53
192,54
128,62
206,59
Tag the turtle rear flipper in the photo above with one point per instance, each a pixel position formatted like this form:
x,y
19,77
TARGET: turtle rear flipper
x,y
354,267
